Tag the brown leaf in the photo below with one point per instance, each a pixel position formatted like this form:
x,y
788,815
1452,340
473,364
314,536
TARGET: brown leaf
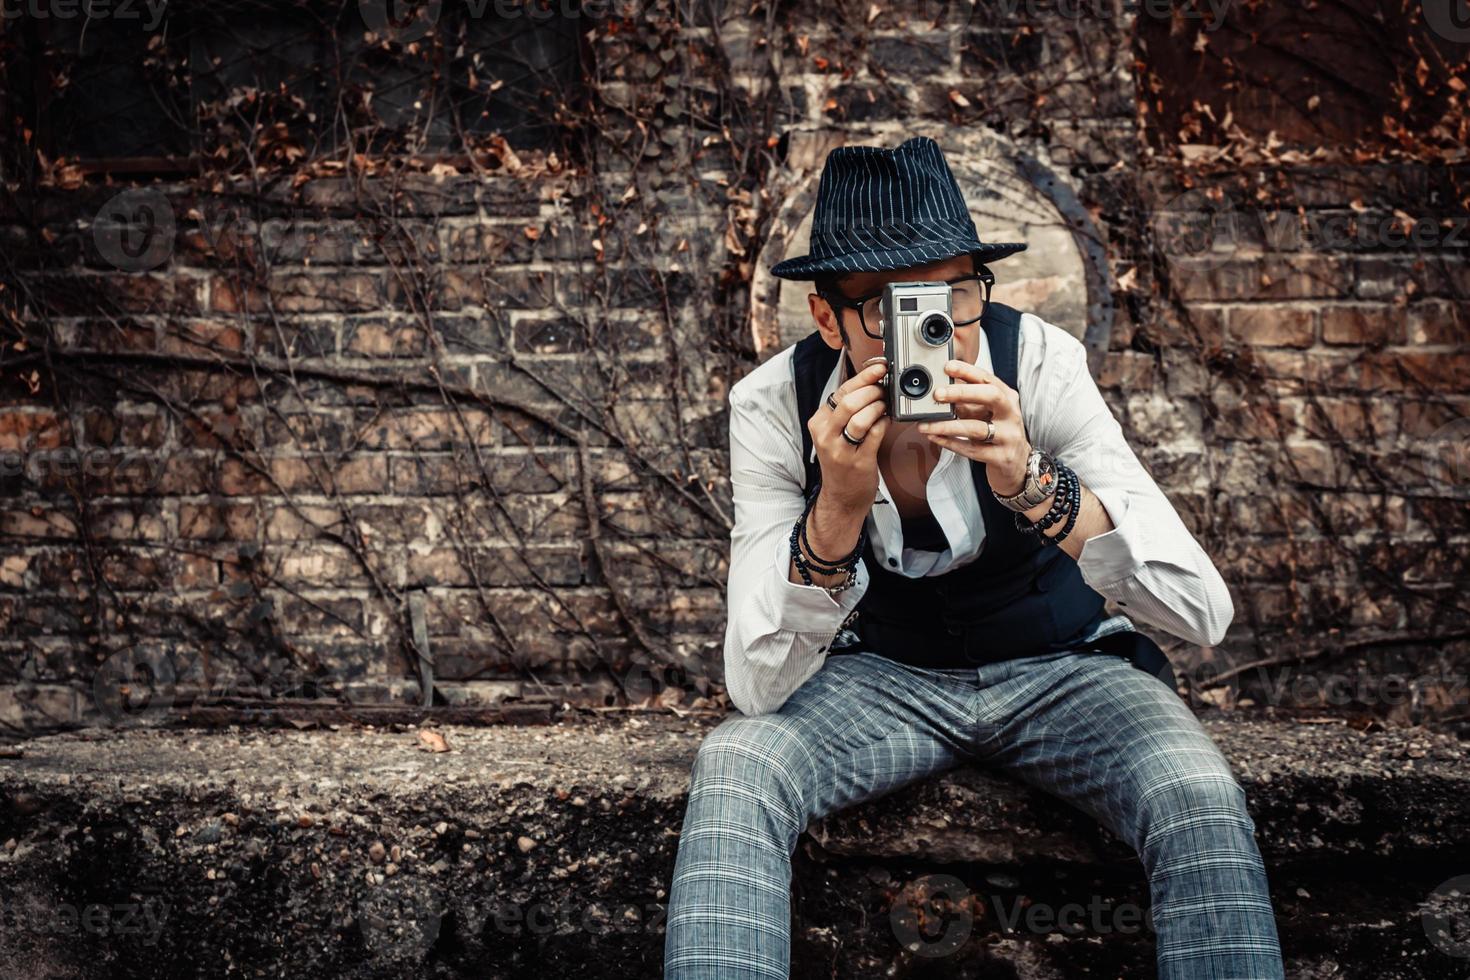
x,y
732,240
432,740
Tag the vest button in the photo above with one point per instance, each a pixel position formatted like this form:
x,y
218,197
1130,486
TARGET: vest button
x,y
893,562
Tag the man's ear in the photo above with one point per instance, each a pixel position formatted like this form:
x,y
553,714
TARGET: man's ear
x,y
826,320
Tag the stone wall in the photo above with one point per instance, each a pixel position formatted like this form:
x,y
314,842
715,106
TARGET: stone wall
x,y
285,420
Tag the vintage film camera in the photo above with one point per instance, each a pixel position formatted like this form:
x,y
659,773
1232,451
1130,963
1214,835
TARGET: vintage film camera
x,y
918,338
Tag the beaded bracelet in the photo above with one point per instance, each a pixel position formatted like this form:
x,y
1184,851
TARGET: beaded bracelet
x,y
1066,504
805,568
805,565
829,567
1061,503
1071,517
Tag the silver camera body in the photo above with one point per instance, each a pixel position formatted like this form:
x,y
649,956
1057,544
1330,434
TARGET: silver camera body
x,y
918,338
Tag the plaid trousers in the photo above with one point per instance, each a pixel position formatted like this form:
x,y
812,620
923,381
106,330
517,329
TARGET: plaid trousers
x,y
1087,727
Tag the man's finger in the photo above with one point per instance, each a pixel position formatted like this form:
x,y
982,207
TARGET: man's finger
x,y
988,396
962,428
855,401
867,376
985,452
862,421
973,373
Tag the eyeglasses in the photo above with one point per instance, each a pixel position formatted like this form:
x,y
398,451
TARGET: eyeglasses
x,y
966,301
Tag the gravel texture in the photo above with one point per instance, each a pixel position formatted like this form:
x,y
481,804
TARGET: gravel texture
x,y
545,851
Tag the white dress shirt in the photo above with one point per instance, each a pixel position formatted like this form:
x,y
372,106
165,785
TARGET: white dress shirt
x,y
778,631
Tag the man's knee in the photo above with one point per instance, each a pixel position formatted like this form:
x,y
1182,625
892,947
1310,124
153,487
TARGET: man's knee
x,y
757,760
1204,802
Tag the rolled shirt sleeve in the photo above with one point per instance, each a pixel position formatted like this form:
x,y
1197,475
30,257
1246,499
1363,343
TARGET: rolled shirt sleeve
x,y
778,631
1149,563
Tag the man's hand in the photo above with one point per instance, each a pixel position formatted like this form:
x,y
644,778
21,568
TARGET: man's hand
x,y
978,398
850,473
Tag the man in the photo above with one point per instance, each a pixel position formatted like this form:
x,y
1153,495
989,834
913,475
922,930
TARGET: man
x,y
951,631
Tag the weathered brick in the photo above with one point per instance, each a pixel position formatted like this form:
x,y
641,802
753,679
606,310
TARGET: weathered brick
x,y
377,337
349,292
1438,323
989,51
217,521
1366,325
550,335
202,338
25,430
493,244
434,474
911,53
1415,370
1273,326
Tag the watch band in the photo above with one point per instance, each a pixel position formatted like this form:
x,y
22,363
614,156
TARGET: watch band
x,y
1032,492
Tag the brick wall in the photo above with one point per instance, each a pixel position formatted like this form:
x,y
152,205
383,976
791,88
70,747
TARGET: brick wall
x,y
326,424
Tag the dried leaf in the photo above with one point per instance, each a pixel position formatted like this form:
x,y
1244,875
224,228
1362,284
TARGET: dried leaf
x,y
732,239
432,740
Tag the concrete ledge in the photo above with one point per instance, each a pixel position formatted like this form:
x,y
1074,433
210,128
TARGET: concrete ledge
x,y
546,851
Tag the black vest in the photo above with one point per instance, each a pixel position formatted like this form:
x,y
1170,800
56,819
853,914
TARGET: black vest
x,y
1017,598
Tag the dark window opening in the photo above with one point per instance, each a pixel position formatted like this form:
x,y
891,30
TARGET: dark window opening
x,y
230,86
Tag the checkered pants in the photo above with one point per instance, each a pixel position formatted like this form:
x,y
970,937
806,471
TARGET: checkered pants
x,y
1087,727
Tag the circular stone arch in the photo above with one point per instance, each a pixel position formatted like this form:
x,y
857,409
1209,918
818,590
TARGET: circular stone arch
x,y
1062,276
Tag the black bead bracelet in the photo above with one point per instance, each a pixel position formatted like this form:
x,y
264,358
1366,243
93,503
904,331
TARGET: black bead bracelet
x,y
806,565
1066,505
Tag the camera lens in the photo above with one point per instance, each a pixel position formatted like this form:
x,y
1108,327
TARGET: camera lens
x,y
914,383
936,329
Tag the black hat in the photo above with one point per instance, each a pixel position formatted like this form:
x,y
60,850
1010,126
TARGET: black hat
x,y
880,209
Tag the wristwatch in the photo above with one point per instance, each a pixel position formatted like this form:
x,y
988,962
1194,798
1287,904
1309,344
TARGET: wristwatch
x,y
1041,482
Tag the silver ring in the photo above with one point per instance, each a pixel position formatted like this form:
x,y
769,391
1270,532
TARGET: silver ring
x,y
855,442
989,432
832,401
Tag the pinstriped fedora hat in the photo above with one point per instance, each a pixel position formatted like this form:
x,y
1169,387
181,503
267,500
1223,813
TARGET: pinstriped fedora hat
x,y
880,209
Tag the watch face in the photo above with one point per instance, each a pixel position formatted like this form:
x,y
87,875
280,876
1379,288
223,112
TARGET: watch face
x,y
1046,470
